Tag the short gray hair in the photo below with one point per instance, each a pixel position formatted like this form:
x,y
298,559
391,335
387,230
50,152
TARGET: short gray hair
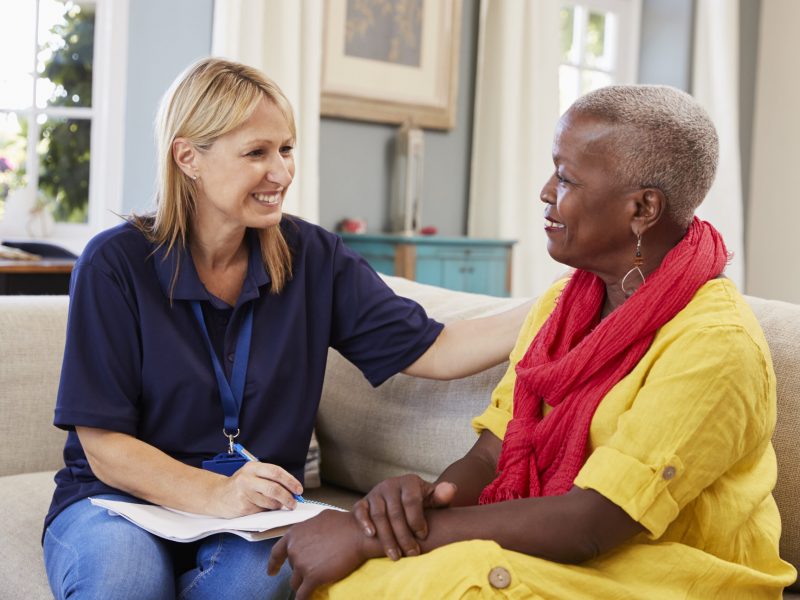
x,y
667,141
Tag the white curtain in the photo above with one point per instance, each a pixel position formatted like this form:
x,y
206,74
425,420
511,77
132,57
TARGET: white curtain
x,y
284,40
516,109
715,84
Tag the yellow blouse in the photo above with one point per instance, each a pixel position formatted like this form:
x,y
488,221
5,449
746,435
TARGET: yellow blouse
x,y
682,444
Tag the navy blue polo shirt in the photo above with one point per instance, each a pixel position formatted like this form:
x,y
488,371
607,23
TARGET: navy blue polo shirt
x,y
136,363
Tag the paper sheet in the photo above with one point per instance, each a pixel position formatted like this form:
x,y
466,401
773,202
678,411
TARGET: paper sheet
x,y
187,527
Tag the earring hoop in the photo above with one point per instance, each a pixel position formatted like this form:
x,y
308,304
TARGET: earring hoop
x,y
638,261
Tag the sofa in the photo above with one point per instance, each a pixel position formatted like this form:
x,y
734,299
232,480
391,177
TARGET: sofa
x,y
365,434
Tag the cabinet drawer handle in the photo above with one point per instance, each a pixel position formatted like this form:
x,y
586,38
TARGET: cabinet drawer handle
x,y
466,270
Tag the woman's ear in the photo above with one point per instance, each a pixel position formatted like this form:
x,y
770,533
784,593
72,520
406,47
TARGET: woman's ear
x,y
651,204
185,156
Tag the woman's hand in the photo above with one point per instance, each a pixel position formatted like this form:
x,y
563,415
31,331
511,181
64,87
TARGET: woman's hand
x,y
133,466
321,550
394,510
255,487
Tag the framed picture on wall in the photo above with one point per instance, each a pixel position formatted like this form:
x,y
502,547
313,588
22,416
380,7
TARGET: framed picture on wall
x,y
391,61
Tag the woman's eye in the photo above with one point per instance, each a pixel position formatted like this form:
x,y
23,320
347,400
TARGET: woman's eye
x,y
286,150
256,153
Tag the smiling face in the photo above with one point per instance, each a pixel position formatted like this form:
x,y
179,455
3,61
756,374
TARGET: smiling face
x,y
589,210
243,177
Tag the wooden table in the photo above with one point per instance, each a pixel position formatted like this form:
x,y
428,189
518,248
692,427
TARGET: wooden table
x,y
37,277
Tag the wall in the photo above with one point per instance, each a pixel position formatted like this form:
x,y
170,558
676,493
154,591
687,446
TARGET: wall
x,y
356,158
773,243
665,54
163,38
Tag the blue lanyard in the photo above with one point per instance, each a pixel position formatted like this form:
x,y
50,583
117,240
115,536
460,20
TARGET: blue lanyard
x,y
231,394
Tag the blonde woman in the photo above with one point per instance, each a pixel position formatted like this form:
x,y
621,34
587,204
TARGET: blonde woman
x,y
208,323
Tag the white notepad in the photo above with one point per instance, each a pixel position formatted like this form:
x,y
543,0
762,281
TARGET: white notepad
x,y
181,526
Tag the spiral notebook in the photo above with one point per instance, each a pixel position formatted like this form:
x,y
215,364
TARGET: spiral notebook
x,y
181,526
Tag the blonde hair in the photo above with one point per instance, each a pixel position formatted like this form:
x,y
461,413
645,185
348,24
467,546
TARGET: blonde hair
x,y
209,99
666,140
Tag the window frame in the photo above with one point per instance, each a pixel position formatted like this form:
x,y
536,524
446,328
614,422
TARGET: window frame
x,y
628,42
107,115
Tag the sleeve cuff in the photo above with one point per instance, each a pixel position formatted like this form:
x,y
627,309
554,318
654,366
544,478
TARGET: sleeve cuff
x,y
494,419
641,490
69,419
434,329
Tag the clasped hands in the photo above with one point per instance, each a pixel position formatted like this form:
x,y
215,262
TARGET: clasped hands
x,y
388,521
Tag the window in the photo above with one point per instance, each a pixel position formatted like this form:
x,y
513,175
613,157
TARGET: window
x,y
55,112
599,46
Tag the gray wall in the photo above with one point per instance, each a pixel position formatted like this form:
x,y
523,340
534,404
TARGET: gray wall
x,y
356,158
163,38
665,53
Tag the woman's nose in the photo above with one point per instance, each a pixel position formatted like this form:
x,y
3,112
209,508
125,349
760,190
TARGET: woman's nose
x,y
279,172
547,195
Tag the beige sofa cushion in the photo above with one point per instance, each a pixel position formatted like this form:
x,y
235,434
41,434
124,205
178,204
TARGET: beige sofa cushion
x,y
781,324
407,424
33,332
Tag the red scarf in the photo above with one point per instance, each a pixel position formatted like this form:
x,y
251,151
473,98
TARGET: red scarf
x,y
575,359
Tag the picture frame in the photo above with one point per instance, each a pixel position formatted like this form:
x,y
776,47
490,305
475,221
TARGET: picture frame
x,y
391,61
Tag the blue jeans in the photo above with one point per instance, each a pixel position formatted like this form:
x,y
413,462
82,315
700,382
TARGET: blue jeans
x,y
90,554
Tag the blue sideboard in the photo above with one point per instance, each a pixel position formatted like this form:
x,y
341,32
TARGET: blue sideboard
x,y
458,263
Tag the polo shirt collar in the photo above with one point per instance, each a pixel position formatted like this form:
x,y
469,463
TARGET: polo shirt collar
x,y
188,285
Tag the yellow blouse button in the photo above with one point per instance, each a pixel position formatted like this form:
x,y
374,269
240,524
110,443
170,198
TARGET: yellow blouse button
x,y
499,578
668,472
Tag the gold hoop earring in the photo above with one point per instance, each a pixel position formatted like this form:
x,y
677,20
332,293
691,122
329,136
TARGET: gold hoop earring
x,y
638,261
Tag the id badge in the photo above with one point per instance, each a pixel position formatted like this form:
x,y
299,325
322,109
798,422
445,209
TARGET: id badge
x,y
224,464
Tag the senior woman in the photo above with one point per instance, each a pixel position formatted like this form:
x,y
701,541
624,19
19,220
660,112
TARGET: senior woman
x,y
635,417
206,323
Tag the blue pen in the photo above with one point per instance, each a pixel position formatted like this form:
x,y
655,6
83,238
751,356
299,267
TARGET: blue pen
x,y
241,451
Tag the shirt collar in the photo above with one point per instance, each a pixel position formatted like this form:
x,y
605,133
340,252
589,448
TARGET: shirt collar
x,y
188,285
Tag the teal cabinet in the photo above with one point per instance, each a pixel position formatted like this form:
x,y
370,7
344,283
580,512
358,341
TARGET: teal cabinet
x,y
465,264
